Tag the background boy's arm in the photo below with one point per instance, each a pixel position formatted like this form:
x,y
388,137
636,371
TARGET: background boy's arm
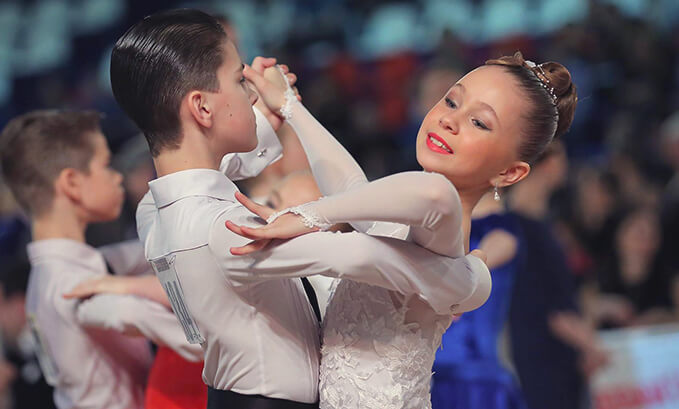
x,y
132,315
147,286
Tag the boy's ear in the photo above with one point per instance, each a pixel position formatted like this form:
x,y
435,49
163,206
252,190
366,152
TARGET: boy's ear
x,y
69,183
199,108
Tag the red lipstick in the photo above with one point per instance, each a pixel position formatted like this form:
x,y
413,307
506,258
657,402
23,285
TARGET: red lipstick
x,y
437,144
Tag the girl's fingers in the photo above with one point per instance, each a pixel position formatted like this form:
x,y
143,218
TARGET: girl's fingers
x,y
261,63
255,78
257,233
248,232
260,210
292,79
249,248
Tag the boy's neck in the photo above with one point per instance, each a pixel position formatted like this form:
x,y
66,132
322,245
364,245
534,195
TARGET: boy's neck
x,y
193,153
59,223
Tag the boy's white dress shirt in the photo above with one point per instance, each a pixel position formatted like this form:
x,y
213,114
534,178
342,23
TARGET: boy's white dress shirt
x,y
88,367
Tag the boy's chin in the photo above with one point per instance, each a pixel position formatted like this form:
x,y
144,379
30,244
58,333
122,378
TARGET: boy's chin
x,y
107,216
250,146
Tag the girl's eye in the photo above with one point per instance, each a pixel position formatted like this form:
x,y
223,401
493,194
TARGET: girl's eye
x,y
479,124
450,103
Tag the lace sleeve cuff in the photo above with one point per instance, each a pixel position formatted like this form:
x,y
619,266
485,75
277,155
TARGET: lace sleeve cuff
x,y
290,97
310,217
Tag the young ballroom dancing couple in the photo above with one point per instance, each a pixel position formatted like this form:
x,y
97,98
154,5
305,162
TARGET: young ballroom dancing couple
x,y
235,271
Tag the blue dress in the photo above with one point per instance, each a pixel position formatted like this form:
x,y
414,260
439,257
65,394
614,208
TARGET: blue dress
x,y
467,370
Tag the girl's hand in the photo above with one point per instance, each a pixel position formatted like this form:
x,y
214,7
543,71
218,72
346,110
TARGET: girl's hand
x,y
480,254
284,227
105,284
259,64
271,86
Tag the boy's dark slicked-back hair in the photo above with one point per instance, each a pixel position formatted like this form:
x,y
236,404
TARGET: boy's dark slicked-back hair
x,y
157,62
37,146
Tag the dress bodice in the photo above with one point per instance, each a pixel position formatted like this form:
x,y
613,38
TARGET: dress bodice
x,y
378,349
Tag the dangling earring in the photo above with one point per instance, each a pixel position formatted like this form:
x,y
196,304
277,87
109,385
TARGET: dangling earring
x,y
496,194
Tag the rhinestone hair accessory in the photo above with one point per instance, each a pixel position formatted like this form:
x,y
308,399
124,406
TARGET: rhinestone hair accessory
x,y
544,81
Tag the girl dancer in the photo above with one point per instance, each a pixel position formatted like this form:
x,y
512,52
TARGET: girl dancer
x,y
379,345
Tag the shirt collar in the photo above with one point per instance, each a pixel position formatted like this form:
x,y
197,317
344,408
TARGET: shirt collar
x,y
68,250
192,182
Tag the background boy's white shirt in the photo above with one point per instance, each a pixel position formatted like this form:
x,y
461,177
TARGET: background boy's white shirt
x,y
94,367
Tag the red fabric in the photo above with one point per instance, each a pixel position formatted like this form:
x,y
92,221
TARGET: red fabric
x,y
175,383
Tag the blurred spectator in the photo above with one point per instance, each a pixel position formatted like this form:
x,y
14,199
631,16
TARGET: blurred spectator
x,y
134,161
14,229
548,335
634,287
587,215
28,388
468,370
670,200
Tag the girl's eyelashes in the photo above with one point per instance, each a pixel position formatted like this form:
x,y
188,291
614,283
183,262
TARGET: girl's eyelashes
x,y
480,124
477,123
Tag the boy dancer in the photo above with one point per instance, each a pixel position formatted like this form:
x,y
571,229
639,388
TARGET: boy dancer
x,y
57,165
180,79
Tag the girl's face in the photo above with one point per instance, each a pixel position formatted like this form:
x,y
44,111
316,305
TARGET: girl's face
x,y
472,135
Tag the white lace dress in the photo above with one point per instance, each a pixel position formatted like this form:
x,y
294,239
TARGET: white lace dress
x,y
371,356
379,345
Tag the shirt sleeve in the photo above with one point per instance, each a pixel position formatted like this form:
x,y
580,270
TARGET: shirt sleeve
x,y
132,315
446,284
127,258
237,166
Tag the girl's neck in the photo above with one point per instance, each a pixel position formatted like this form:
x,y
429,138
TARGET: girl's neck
x,y
469,199
487,205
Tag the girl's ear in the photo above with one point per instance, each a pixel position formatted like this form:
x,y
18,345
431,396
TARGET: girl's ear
x,y
513,174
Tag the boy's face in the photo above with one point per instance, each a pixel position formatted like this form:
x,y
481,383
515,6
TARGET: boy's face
x,y
234,126
101,189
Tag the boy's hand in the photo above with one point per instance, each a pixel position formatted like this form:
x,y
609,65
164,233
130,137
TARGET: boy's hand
x,y
105,284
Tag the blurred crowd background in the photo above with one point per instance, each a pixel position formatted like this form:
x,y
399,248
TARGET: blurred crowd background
x,y
369,70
